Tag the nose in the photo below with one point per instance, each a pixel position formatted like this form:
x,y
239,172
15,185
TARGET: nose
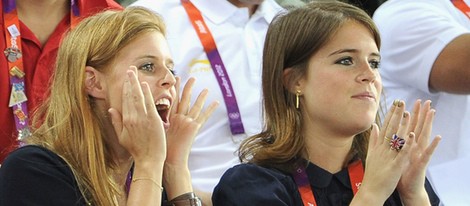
x,y
168,80
367,74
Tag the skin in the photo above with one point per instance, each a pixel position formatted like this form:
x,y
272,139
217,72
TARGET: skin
x,y
450,72
252,5
158,143
42,17
336,109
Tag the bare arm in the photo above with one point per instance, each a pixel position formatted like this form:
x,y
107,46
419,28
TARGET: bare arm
x,y
451,70
146,145
186,120
206,197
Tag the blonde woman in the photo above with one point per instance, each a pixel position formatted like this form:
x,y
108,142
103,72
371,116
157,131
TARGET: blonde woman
x,y
113,109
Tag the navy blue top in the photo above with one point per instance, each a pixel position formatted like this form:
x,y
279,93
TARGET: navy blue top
x,y
33,175
249,184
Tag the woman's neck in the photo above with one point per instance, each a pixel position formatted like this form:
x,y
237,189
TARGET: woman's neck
x,y
327,150
121,156
42,16
120,176
44,4
251,6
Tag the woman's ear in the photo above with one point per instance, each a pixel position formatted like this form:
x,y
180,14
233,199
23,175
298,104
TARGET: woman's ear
x,y
93,83
292,80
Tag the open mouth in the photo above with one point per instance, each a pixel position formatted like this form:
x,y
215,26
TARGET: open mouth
x,y
163,109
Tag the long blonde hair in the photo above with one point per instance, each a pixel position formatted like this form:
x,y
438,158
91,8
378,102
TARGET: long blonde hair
x,y
69,123
292,38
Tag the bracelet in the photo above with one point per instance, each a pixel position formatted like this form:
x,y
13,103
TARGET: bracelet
x,y
148,178
186,199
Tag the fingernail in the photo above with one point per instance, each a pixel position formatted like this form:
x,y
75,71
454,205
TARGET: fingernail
x,y
395,102
405,115
401,103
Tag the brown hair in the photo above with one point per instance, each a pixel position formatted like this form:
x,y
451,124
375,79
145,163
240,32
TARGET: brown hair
x,y
292,38
70,124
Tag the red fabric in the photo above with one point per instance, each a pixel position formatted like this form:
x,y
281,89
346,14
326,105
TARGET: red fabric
x,y
38,64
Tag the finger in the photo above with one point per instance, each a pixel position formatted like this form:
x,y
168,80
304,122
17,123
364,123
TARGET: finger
x,y
149,101
404,153
174,106
397,140
183,106
423,139
137,94
395,120
404,124
426,156
422,116
414,116
198,105
207,113
126,100
388,116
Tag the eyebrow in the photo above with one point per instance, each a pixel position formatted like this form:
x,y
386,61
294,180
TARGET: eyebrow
x,y
147,56
352,51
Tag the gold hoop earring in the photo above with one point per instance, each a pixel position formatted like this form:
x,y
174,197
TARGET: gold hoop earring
x,y
297,99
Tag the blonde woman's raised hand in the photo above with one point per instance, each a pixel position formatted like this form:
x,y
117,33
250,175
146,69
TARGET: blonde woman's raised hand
x,y
139,128
411,184
185,122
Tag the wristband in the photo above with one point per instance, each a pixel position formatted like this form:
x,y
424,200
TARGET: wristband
x,y
147,178
186,199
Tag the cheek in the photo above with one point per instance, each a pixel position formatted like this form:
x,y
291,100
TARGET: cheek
x,y
378,87
115,96
115,91
173,92
378,82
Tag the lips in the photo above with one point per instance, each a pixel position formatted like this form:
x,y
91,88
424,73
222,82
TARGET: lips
x,y
364,95
163,109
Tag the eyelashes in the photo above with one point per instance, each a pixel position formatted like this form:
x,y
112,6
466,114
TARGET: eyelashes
x,y
348,61
150,67
147,67
345,61
374,64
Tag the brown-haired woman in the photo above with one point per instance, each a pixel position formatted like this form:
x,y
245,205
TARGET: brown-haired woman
x,y
320,145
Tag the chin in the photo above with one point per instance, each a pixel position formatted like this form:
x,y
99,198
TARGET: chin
x,y
363,127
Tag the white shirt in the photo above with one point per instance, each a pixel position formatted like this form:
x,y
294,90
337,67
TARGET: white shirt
x,y
413,34
240,40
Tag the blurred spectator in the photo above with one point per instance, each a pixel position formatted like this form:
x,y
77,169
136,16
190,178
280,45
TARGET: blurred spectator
x,y
425,52
28,62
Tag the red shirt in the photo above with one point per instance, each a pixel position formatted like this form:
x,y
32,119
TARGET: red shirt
x,y
38,64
